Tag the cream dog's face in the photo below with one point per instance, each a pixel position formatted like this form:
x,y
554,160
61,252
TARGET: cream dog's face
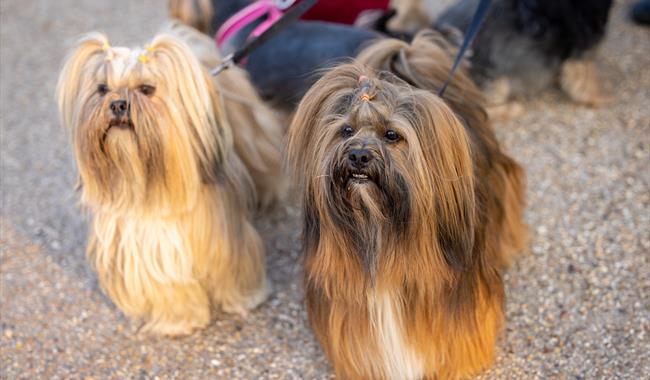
x,y
144,122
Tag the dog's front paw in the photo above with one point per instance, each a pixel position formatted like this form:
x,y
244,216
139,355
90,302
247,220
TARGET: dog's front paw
x,y
243,304
178,327
505,112
580,80
174,329
178,321
498,91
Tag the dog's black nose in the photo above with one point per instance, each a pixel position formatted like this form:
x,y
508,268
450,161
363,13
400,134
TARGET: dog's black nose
x,y
359,158
118,107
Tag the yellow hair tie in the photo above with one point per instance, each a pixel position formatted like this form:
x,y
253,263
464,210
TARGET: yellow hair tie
x,y
149,49
143,58
106,46
366,98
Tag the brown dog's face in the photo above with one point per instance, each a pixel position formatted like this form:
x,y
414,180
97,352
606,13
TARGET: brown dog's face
x,y
366,162
381,162
143,121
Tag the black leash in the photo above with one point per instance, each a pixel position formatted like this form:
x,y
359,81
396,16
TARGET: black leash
x,y
291,16
473,28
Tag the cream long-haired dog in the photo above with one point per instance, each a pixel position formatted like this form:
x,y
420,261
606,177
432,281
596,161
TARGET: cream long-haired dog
x,y
170,170
411,210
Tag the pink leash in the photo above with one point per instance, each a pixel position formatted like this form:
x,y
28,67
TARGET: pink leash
x,y
272,9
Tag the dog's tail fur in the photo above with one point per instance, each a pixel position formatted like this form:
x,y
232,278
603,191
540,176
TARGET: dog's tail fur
x,y
425,63
195,13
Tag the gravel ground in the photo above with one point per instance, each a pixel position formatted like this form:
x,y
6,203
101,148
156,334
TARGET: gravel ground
x,y
578,305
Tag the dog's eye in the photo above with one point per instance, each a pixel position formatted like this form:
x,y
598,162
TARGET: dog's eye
x,y
392,136
147,90
102,89
347,131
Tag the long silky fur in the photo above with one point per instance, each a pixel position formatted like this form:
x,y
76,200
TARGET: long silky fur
x,y
171,199
257,131
415,293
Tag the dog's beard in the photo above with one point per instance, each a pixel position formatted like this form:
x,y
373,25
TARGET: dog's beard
x,y
135,160
371,207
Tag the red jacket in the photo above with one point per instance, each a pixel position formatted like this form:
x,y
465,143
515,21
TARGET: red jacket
x,y
342,11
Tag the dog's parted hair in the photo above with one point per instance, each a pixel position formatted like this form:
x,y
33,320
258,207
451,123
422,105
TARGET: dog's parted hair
x,y
171,199
402,269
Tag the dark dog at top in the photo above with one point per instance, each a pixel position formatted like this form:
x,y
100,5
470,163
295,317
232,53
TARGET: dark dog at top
x,y
524,46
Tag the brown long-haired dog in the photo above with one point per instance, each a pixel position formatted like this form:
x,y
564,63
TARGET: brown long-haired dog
x,y
162,171
411,211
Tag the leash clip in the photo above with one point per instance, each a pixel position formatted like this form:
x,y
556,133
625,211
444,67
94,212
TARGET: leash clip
x,y
228,61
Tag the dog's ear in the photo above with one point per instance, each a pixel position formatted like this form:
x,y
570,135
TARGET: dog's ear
x,y
70,80
197,100
450,175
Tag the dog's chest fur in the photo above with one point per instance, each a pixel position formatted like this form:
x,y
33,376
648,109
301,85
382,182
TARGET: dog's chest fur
x,y
131,251
398,359
160,247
